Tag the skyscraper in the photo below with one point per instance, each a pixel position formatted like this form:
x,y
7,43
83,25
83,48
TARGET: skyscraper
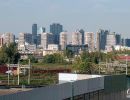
x,y
63,40
46,38
101,39
111,39
34,34
41,30
56,29
82,32
8,38
127,42
76,38
24,38
89,40
118,39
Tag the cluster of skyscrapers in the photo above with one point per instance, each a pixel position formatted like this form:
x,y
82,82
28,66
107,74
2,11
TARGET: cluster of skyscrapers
x,y
57,39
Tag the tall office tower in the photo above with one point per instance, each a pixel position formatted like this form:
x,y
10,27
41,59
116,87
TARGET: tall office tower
x,y
82,31
25,37
8,38
46,38
111,39
101,39
63,40
38,39
127,42
123,42
41,30
76,38
89,40
34,34
56,29
28,38
118,39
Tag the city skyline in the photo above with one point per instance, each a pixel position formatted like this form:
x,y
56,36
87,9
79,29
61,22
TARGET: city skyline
x,y
89,15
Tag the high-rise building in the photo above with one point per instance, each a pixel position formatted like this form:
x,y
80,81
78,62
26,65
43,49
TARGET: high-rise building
x,y
101,39
89,40
41,30
8,38
38,39
127,42
34,34
25,37
118,39
123,42
46,38
76,38
111,39
82,31
56,29
63,40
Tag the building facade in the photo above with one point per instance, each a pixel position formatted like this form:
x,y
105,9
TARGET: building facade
x,y
127,42
101,39
82,32
118,39
63,40
46,38
56,29
34,34
76,38
8,38
89,40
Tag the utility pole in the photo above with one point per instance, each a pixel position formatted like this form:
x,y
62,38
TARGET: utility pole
x,y
18,71
29,70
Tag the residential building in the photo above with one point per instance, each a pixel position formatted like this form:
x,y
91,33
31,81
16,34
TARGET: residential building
x,y
111,41
56,29
63,40
46,38
76,38
8,38
25,37
89,40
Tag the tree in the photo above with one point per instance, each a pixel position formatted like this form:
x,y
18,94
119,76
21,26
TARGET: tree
x,y
54,58
9,54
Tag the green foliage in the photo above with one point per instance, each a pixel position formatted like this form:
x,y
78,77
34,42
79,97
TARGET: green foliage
x,y
68,53
9,54
33,59
53,58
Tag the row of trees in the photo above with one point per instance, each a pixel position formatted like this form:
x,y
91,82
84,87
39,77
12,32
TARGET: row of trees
x,y
9,54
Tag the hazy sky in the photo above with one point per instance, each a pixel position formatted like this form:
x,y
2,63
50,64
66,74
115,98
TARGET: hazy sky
x,y
18,15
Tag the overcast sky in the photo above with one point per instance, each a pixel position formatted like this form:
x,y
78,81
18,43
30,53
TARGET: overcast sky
x,y
18,15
